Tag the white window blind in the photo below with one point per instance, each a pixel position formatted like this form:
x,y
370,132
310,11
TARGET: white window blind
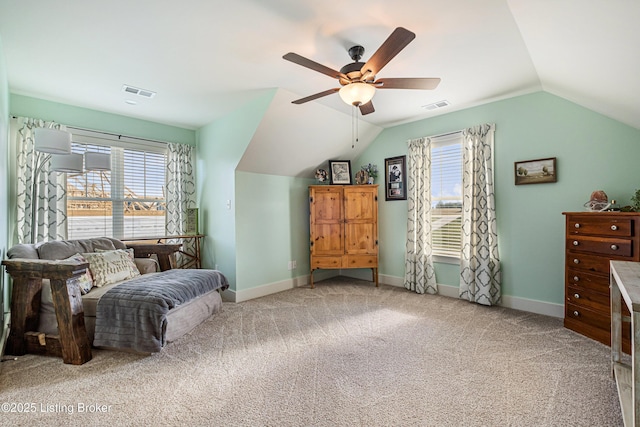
x,y
446,194
126,202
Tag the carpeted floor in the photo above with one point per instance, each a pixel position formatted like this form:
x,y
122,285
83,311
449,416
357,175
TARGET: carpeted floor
x,y
343,354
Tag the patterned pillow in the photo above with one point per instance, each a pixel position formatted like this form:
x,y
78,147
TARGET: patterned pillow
x,y
85,281
111,266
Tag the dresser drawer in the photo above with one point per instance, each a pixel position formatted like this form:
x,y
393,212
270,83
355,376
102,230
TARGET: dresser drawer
x,y
599,245
589,263
362,261
583,298
587,316
621,227
326,262
591,282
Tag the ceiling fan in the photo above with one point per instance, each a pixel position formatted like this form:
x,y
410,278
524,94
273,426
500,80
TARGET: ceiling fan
x,y
358,80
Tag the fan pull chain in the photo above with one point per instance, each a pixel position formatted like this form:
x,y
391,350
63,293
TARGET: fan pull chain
x,y
354,126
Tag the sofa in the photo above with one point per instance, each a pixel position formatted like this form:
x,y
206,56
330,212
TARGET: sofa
x,y
67,294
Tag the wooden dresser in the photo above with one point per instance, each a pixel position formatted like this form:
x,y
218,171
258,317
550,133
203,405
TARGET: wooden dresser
x,y
592,239
343,227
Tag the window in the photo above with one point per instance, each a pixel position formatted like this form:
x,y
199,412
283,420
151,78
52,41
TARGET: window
x,y
446,194
126,202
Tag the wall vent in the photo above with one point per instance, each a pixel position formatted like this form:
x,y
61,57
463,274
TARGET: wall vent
x,y
435,105
137,91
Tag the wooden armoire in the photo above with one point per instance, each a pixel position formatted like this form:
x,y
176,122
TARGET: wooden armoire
x,y
343,227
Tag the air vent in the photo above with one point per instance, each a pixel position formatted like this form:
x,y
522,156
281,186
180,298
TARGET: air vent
x,y
137,91
436,105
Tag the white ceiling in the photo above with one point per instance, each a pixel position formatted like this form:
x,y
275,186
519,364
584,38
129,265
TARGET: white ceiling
x,y
206,58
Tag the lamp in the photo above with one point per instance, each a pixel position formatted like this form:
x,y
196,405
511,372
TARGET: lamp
x,y
97,161
55,145
357,93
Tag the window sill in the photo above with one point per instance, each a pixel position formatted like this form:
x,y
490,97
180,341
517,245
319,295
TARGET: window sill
x,y
446,259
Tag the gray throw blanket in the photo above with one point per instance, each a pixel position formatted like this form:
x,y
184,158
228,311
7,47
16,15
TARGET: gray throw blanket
x,y
133,314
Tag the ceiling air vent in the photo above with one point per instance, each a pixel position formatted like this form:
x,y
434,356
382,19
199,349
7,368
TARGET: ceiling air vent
x,y
436,105
137,91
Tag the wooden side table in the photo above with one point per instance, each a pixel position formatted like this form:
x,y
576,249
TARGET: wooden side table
x,y
164,252
625,282
72,343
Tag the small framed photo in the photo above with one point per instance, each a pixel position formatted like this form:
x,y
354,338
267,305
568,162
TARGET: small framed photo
x,y
539,171
395,178
340,172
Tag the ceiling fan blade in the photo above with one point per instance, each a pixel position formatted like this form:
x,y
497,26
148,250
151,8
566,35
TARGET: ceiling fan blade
x,y
315,96
397,41
407,83
301,60
367,108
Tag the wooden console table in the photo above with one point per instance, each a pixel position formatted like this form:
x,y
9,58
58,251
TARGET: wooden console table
x,y
72,343
625,282
164,252
189,250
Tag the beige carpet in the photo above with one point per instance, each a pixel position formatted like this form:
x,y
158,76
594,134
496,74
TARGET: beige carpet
x,y
343,354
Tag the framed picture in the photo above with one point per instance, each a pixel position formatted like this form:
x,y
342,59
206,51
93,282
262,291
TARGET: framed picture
x,y
539,171
395,178
192,221
340,172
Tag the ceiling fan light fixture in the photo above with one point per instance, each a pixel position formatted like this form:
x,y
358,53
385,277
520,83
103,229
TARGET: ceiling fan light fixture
x,y
357,93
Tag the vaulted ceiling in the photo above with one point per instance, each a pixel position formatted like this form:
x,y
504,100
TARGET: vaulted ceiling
x,y
205,58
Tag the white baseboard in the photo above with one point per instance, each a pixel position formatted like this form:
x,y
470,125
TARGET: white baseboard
x,y
517,303
275,287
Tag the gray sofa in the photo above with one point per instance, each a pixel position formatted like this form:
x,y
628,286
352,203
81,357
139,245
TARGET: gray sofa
x,y
109,308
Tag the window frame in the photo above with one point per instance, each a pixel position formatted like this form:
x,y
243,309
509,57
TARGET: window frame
x,y
454,138
120,144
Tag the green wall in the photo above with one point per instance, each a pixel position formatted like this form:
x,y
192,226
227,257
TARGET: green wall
x,y
593,152
4,188
273,228
24,106
220,146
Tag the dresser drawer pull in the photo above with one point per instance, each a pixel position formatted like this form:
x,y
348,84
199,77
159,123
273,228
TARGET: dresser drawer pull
x,y
576,313
614,227
576,296
576,279
576,261
614,247
577,225
576,243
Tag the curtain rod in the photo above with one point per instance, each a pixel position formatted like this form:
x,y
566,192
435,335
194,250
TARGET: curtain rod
x,y
445,134
120,136
111,134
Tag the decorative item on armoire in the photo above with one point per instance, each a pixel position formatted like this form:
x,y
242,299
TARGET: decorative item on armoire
x,y
321,176
372,172
340,172
362,177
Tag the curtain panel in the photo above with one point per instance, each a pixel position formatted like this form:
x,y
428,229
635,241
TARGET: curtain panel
x,y
180,191
480,279
38,191
420,275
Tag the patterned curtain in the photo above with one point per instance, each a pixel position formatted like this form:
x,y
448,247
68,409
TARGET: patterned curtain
x,y
180,188
38,190
479,260
419,275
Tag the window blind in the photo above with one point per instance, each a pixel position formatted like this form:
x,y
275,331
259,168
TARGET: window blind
x,y
446,194
126,202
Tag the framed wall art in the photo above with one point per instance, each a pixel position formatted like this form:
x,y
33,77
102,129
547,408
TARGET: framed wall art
x,y
340,172
395,178
539,171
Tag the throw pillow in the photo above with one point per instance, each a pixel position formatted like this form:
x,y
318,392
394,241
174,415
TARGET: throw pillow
x,y
111,266
85,281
